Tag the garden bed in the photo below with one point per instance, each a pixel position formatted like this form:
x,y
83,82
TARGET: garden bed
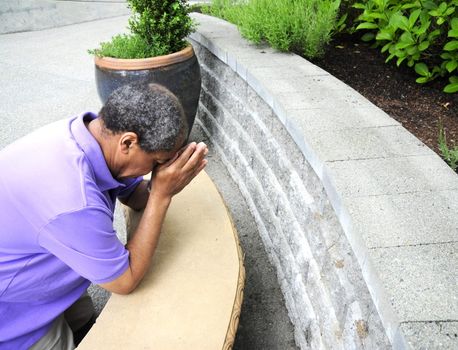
x,y
421,109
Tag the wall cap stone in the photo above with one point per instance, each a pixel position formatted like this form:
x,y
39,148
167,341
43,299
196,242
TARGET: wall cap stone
x,y
395,199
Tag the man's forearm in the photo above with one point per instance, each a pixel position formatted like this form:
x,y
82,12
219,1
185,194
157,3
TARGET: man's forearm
x,y
142,245
168,179
146,237
139,197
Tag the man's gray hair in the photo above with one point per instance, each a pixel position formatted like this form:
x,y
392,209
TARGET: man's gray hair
x,y
151,111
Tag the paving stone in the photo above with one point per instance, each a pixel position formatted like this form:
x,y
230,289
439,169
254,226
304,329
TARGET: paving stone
x,y
363,143
421,280
329,118
405,219
431,335
371,177
319,98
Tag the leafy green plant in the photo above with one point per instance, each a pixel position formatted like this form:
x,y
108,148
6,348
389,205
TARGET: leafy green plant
x,y
302,26
416,32
156,28
450,155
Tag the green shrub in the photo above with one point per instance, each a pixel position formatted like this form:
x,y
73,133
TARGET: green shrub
x,y
158,27
347,16
301,26
422,33
128,46
450,155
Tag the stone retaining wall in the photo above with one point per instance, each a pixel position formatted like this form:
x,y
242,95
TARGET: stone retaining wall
x,y
314,161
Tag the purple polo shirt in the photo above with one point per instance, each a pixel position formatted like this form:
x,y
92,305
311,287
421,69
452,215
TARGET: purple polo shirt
x,y
57,198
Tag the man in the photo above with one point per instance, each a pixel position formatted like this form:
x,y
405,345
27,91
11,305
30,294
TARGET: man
x,y
58,188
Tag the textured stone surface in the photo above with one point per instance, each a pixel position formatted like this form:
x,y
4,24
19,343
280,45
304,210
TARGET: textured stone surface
x,y
260,327
382,176
331,176
422,280
410,221
432,335
329,118
302,236
365,143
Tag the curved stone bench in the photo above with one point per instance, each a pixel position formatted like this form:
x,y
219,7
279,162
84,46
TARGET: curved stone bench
x,y
356,214
192,295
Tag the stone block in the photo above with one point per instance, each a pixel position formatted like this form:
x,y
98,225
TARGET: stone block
x,y
298,195
298,242
260,88
330,118
406,219
210,123
211,103
323,308
365,143
330,226
210,83
357,329
377,338
424,290
319,98
431,335
207,59
305,312
302,257
231,81
292,78
371,177
286,258
259,107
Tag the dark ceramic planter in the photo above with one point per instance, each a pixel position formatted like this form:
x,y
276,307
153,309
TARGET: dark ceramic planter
x,y
179,72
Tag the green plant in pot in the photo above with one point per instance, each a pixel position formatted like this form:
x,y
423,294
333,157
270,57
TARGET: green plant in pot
x,y
155,50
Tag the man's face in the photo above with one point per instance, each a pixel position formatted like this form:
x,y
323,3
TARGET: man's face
x,y
141,163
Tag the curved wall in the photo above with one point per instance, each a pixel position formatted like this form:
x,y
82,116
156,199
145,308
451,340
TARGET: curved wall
x,y
356,214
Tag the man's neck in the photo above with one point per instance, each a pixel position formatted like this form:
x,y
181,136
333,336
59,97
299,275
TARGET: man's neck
x,y
106,142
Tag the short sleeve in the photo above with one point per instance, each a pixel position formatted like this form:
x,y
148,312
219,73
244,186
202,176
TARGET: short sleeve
x,y
86,241
131,185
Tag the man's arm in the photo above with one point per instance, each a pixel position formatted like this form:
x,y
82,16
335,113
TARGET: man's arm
x,y
168,180
138,198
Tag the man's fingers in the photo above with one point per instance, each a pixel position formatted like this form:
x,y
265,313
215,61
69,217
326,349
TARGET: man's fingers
x,y
196,171
195,159
185,154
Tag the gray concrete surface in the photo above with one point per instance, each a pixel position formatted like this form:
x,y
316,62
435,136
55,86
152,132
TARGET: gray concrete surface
x,y
47,75
28,15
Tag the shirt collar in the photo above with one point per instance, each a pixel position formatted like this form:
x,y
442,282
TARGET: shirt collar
x,y
93,152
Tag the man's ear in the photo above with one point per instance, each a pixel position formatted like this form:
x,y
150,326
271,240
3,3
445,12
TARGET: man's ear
x,y
127,141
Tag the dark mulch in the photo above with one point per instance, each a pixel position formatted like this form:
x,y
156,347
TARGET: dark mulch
x,y
420,108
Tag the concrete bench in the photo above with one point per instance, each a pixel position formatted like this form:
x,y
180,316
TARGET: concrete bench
x,y
192,295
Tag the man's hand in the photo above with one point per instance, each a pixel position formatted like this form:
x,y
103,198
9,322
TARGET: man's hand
x,y
170,178
139,198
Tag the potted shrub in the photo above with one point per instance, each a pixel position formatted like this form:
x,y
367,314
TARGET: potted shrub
x,y
155,50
